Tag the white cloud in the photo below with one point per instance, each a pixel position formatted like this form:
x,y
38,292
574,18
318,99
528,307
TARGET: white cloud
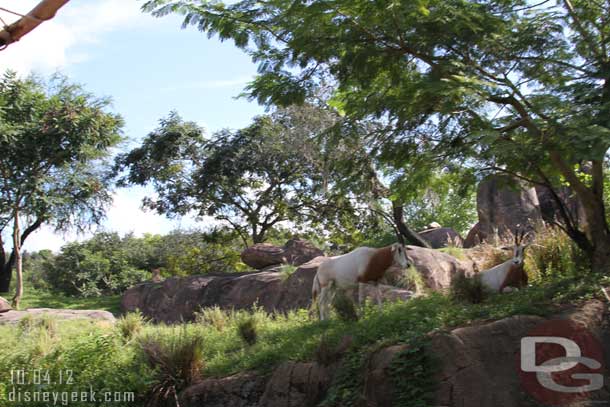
x,y
45,49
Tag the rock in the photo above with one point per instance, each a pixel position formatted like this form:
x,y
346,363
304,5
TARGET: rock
x,y
5,306
13,317
240,390
436,268
442,237
550,210
378,387
177,299
478,362
296,384
475,366
474,237
433,225
504,203
295,252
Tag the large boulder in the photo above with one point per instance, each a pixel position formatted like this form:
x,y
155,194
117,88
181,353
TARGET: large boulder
x,y
4,305
503,204
294,384
442,237
177,299
295,252
13,317
479,363
240,390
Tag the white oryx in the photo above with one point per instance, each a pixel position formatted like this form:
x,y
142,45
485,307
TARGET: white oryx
x,y
362,265
510,273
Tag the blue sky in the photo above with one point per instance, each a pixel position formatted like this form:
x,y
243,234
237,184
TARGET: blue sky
x,y
148,67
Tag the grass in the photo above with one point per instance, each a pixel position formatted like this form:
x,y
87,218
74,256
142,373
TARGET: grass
x,y
229,342
101,356
33,298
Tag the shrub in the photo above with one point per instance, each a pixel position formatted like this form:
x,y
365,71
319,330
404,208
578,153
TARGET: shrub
x,y
286,270
344,306
44,322
213,316
468,289
554,254
412,280
130,325
178,363
247,330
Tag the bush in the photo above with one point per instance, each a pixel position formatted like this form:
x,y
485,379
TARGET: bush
x,y
247,330
344,306
178,363
130,325
554,254
468,289
214,317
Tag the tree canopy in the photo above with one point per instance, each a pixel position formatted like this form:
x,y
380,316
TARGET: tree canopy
x,y
510,86
54,138
277,169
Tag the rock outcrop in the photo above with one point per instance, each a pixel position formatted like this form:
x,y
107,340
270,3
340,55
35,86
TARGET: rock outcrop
x,y
476,366
13,317
5,306
295,252
504,203
177,299
442,237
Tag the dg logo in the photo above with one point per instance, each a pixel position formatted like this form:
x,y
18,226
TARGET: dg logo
x,y
560,362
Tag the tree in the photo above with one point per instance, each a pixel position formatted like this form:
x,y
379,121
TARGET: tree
x,y
253,179
509,86
54,139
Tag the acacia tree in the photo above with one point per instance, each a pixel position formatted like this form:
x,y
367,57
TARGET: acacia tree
x,y
253,179
53,141
511,86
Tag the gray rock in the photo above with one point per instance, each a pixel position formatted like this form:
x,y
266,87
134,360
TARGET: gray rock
x,y
5,306
295,252
442,237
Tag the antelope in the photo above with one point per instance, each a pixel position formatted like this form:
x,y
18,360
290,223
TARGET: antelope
x,y
361,265
509,274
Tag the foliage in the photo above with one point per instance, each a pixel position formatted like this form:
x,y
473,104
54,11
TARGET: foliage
x,y
62,180
252,179
412,371
507,86
102,359
468,289
53,299
447,198
247,330
554,253
130,324
108,263
344,306
178,363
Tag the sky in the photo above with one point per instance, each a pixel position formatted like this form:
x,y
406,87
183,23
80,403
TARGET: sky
x,y
148,66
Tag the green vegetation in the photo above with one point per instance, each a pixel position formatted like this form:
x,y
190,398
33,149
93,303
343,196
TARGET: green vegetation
x,y
34,298
80,345
467,86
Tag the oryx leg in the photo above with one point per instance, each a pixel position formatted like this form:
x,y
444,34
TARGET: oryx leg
x,y
323,303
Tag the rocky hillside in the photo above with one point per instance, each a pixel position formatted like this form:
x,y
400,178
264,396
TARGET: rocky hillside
x,y
476,366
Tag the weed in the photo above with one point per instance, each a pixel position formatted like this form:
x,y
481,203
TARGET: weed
x,y
214,317
468,289
130,324
344,306
247,330
178,362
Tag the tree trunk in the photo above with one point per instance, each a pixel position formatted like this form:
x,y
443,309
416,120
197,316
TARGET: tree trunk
x,y
6,274
18,263
411,236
